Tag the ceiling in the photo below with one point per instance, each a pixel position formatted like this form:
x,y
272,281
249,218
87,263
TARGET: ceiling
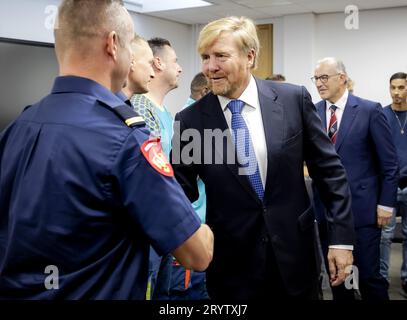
x,y
263,9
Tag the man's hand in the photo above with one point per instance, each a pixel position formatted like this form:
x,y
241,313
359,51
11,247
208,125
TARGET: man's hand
x,y
340,262
383,217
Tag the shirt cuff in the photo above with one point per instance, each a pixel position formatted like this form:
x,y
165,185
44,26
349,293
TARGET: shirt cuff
x,y
388,209
341,247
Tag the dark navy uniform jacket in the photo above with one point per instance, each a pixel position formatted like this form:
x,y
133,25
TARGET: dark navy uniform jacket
x,y
77,193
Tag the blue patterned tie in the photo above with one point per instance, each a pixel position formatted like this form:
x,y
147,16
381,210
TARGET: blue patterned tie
x,y
244,147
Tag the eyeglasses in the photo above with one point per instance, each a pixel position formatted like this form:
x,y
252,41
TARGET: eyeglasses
x,y
324,78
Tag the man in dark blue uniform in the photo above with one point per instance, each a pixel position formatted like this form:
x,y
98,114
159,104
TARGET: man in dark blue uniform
x,y
76,221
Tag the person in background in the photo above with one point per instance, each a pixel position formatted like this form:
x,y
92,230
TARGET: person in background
x,y
396,114
199,88
276,77
361,135
151,105
141,71
75,222
257,202
159,121
185,283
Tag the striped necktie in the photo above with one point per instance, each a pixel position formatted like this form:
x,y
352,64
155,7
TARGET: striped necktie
x,y
333,124
244,147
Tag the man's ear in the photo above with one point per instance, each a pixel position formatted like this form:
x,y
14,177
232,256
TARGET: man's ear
x,y
344,78
251,56
158,63
112,42
204,91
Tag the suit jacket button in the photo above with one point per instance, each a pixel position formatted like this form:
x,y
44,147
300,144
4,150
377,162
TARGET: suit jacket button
x,y
265,239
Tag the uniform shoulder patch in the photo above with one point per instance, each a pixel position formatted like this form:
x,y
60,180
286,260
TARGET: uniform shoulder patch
x,y
153,152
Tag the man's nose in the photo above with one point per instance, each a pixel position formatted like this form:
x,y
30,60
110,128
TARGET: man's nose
x,y
213,64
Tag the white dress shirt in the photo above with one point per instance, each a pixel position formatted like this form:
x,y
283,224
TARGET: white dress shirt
x,y
251,114
340,108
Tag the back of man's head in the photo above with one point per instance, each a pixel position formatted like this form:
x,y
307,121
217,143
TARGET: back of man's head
x,y
92,40
80,22
199,86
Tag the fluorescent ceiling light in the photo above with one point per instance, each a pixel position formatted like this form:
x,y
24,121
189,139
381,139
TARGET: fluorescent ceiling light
x,y
144,6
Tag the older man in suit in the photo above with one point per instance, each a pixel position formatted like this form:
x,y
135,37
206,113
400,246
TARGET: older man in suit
x,y
362,138
257,203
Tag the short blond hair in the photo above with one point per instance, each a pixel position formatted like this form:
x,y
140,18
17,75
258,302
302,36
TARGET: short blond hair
x,y
79,21
138,40
243,30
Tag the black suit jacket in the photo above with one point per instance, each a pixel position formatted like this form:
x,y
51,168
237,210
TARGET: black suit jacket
x,y
244,227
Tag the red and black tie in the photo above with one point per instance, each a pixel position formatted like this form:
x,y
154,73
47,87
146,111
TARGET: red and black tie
x,y
333,124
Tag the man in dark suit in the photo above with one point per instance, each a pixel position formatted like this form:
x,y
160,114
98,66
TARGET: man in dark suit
x,y
362,138
258,208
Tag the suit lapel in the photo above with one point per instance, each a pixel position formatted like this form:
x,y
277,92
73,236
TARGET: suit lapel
x,y
214,119
321,108
272,113
347,118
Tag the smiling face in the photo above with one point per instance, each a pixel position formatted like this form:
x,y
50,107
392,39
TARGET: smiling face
x,y
226,67
335,85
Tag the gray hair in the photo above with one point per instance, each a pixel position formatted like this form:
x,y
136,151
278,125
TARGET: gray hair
x,y
339,66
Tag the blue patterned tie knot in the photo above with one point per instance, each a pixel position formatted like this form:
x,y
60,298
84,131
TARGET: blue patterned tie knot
x,y
236,106
244,147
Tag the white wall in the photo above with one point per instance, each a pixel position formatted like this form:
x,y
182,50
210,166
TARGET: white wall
x,y
372,53
299,49
28,20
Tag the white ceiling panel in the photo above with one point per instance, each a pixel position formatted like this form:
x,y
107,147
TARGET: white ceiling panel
x,y
262,3
263,9
274,11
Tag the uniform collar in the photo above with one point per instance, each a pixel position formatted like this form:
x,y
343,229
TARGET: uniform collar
x,y
74,84
123,97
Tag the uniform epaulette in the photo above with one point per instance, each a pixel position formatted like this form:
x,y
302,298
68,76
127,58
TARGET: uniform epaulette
x,y
27,107
129,116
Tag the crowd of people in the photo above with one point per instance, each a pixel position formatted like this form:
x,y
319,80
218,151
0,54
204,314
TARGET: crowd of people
x,y
96,181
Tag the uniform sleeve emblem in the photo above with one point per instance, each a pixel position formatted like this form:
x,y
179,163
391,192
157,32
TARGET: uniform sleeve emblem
x,y
155,156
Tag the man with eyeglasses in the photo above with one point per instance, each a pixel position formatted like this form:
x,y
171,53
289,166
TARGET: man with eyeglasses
x,y
360,132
